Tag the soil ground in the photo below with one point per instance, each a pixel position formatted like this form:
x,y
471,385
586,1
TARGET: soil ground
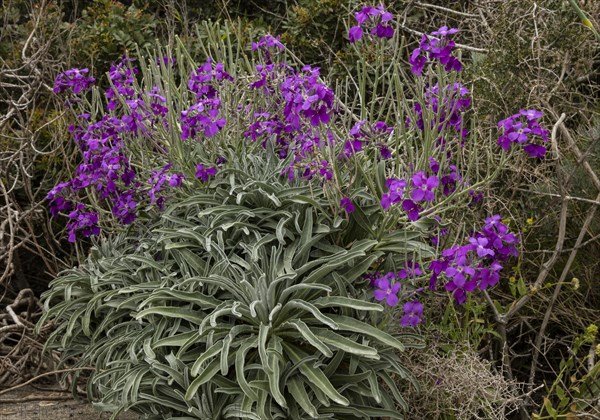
x,y
30,403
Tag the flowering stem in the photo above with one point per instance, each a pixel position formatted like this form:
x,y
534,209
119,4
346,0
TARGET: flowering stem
x,y
584,19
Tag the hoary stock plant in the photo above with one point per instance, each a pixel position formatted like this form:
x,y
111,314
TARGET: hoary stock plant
x,y
237,303
247,219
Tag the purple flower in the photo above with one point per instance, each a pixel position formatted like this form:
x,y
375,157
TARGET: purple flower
x,y
57,202
411,269
383,31
386,292
376,20
268,44
355,33
450,180
202,117
268,41
459,272
125,207
524,128
459,285
437,267
423,187
205,173
326,174
385,152
434,165
535,150
364,14
413,314
75,80
480,246
531,114
436,46
166,60
352,146
82,222
382,128
347,205
412,210
494,221
394,194
417,62
176,180
489,276
444,31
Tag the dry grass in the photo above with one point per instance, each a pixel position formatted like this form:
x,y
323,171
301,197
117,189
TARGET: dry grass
x,y
459,385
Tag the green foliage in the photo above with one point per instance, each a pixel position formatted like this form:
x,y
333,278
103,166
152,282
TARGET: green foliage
x,y
237,303
107,30
577,383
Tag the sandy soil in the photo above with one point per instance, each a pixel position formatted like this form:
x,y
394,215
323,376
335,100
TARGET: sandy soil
x,y
29,403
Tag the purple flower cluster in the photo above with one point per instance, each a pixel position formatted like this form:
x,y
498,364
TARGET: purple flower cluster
x,y
305,98
421,187
105,170
436,46
413,314
307,169
74,80
158,104
204,116
387,288
122,76
141,109
364,134
448,106
524,128
161,177
268,44
299,104
205,173
83,222
205,80
416,193
476,264
374,20
58,203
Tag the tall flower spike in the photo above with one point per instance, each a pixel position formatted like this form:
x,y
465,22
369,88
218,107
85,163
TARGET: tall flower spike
x,y
374,21
436,46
